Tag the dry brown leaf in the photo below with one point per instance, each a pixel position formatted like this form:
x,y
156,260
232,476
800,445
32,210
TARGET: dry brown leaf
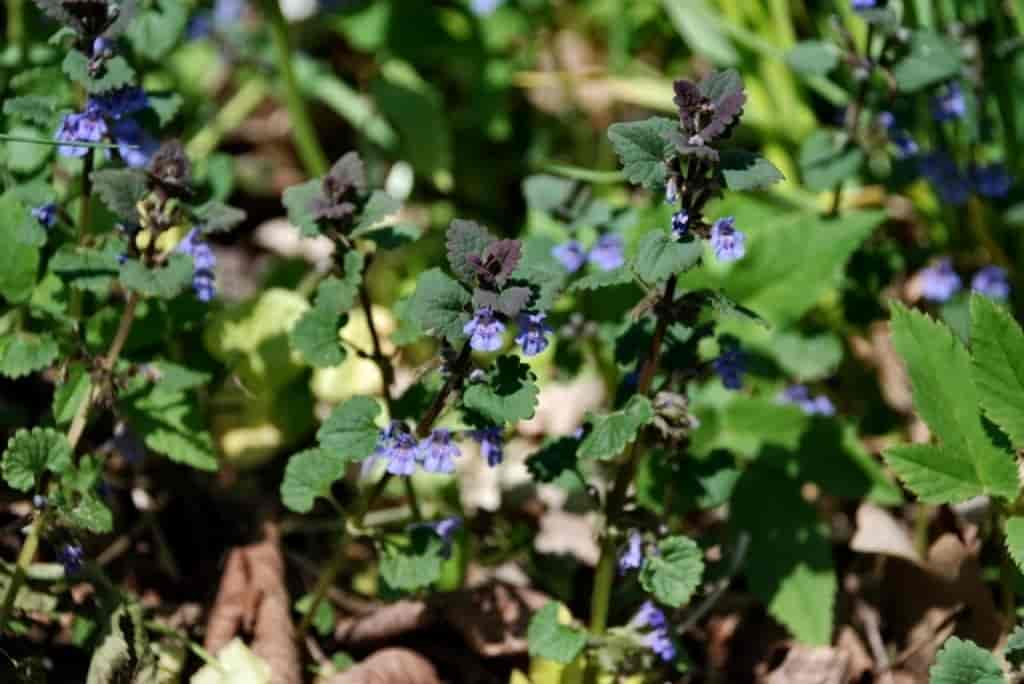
x,y
850,643
879,532
811,665
252,600
877,350
568,533
387,622
389,666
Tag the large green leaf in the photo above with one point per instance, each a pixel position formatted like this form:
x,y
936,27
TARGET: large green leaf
x,y
19,261
659,256
439,305
351,429
30,453
309,475
964,662
642,149
789,559
932,58
507,396
945,396
674,573
163,281
549,638
415,563
997,345
614,431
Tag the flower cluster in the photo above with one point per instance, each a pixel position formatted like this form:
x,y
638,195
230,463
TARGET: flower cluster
x,y
949,104
71,557
812,406
954,186
109,116
46,214
403,453
633,555
203,263
728,242
658,638
607,254
939,282
445,528
486,331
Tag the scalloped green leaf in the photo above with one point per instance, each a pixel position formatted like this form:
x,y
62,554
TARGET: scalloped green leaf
x,y
439,305
744,170
315,335
964,662
674,573
22,354
643,149
412,564
548,638
120,190
217,217
117,73
659,256
351,429
297,200
509,394
310,475
165,281
613,432
30,453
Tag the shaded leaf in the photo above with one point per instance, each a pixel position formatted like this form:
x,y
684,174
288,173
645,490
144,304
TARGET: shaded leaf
x,y
674,573
310,475
614,431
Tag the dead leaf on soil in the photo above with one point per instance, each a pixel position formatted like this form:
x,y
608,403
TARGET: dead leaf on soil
x,y
878,531
389,666
252,600
811,665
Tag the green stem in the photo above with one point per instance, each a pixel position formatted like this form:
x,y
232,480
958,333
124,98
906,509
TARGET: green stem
x,y
310,151
25,558
1001,68
16,25
236,110
604,577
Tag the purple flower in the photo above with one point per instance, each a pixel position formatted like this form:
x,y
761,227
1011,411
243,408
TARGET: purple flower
x,y
729,244
864,4
39,501
87,127
661,643
939,281
886,120
46,214
122,102
633,557
949,104
445,528
905,144
398,446
71,556
570,254
812,406
730,366
680,224
437,452
134,144
991,281
533,333
651,616
483,8
203,263
225,14
944,176
991,180
490,444
485,330
102,47
607,254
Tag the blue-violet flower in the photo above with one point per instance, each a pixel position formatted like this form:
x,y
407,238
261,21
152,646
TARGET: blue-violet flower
x,y
608,253
633,556
680,224
991,180
949,104
71,557
728,242
490,444
485,330
46,214
533,333
203,263
991,281
437,452
570,254
939,281
730,366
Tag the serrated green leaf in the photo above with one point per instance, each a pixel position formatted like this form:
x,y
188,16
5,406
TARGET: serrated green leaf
x,y
539,268
744,170
659,256
508,396
165,281
36,109
30,453
117,73
789,558
602,279
997,344
674,573
324,620
1014,532
463,240
19,262
91,513
351,429
719,85
813,57
439,305
612,432
120,190
174,378
26,157
310,475
413,565
950,404
169,423
217,217
380,206
548,638
964,662
154,32
70,394
23,354
826,160
932,58
297,200
642,150
316,338
86,268
934,473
